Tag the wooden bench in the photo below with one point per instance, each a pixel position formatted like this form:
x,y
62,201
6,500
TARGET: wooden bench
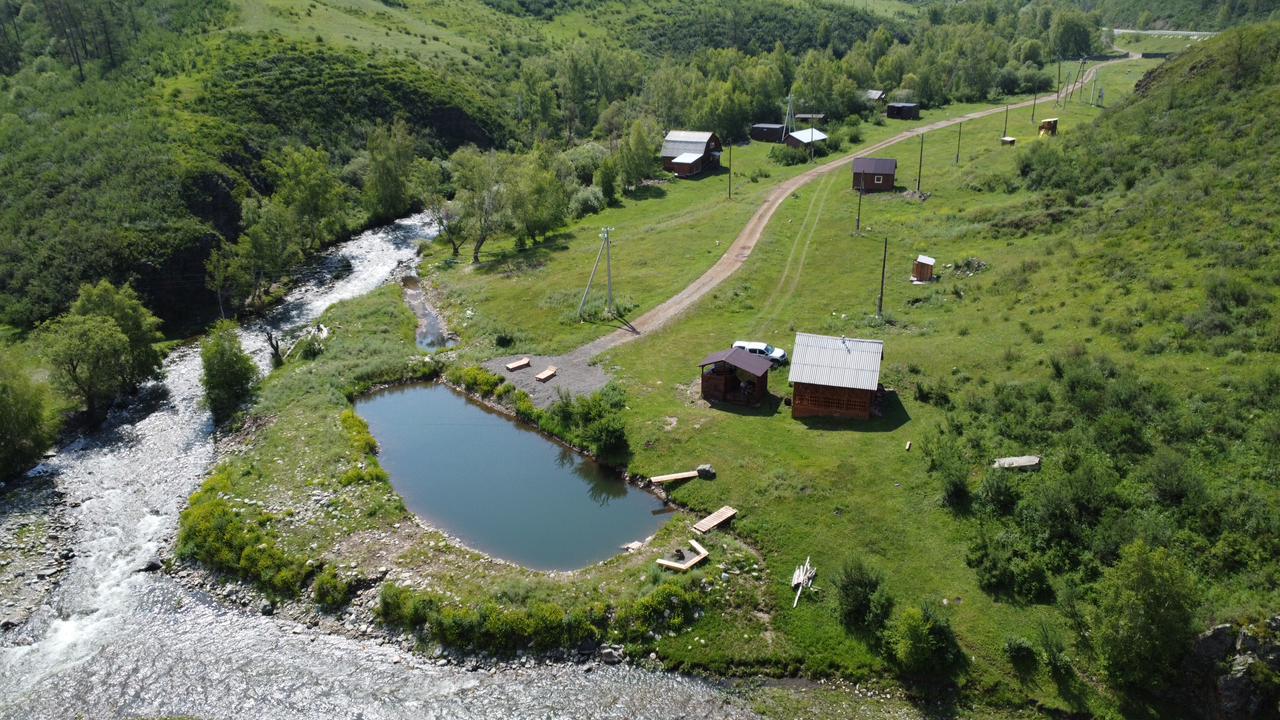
x,y
520,364
673,477
689,560
1008,141
547,374
710,522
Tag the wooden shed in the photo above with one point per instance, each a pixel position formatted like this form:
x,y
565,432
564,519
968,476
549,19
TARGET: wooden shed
x,y
1049,127
877,96
922,271
735,376
803,139
768,132
903,111
874,174
835,377
687,152
811,119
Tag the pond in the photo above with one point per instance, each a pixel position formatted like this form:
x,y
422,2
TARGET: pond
x,y
500,487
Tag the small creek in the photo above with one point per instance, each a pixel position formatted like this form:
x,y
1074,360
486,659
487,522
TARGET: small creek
x,y
112,642
501,487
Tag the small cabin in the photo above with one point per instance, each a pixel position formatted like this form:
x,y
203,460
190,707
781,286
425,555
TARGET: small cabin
x,y
735,376
811,119
768,132
687,152
903,111
1049,127
922,271
876,96
874,174
803,139
835,377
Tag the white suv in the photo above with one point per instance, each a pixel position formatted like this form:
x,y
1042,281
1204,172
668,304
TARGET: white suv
x,y
777,356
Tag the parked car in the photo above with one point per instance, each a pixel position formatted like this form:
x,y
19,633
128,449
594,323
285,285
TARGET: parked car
x,y
777,356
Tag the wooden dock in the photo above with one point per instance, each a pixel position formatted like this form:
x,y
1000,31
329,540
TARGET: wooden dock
x,y
673,477
699,555
710,522
520,364
547,374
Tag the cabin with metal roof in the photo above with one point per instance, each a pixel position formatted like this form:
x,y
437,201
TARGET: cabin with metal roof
x,y
874,174
735,376
689,152
877,96
903,111
922,270
804,138
768,132
835,377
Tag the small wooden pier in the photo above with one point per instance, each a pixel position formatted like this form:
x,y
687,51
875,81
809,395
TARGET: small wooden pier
x,y
673,477
710,522
700,553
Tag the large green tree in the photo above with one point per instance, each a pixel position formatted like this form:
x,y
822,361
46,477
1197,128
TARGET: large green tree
x,y
387,193
1145,617
89,356
483,195
1071,35
637,154
23,433
540,200
229,373
309,189
141,328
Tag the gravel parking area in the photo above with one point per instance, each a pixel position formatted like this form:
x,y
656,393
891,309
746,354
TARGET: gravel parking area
x,y
575,376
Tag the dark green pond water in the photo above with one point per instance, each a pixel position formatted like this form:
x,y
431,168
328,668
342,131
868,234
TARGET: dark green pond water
x,y
500,487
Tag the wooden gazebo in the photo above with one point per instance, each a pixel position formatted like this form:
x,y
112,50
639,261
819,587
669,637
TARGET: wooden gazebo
x,y
735,376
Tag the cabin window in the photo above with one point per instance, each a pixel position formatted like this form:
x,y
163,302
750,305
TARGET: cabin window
x,y
879,179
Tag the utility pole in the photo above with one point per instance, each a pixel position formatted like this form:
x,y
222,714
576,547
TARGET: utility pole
x,y
1033,108
730,170
606,252
884,264
959,135
1006,122
920,168
862,188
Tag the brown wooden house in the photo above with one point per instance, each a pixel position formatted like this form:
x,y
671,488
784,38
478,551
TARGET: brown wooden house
x,y
804,139
768,132
735,376
903,111
835,376
687,152
922,270
874,174
1049,127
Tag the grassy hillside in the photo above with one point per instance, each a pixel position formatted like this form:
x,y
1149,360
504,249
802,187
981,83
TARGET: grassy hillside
x,y
1181,14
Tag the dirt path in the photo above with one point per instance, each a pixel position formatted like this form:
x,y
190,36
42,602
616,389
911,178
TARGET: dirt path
x,y
741,249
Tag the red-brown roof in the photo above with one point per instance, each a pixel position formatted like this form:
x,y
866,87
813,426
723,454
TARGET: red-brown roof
x,y
741,359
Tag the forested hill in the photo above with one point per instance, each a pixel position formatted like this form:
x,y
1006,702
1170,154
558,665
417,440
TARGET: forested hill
x,y
1182,14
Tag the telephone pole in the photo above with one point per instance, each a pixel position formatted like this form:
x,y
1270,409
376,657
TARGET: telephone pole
x,y
959,135
884,264
920,168
606,251
1006,122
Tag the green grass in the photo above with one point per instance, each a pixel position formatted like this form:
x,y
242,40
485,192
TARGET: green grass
x,y
660,245
1154,43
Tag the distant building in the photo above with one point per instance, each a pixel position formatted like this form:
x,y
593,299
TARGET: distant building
x,y
835,376
903,111
1049,127
688,152
804,138
735,376
922,270
876,96
768,132
874,174
811,118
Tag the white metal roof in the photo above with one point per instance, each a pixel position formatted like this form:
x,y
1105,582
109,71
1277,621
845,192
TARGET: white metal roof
x,y
680,142
809,135
926,260
837,362
687,158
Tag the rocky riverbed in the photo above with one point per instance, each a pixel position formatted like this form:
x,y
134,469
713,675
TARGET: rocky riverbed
x,y
35,545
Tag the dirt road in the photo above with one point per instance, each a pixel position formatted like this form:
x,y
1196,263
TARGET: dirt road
x,y
745,243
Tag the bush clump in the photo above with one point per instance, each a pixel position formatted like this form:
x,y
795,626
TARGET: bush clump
x,y
330,590
229,373
922,642
865,604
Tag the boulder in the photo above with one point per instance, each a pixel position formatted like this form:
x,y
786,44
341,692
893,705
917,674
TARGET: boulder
x,y
1214,645
1238,698
706,472
612,654
150,566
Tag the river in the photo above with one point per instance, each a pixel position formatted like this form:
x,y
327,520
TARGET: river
x,y
112,642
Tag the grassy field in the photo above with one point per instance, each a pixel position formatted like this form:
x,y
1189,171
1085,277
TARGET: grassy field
x,y
1153,43
662,240
837,490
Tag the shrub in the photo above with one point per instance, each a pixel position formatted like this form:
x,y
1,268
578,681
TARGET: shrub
x,y
864,602
329,590
369,474
23,430
475,380
587,201
229,374
922,642
1021,654
997,494
402,607
787,155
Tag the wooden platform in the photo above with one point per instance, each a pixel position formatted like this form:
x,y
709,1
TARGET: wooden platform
x,y
710,522
689,561
547,374
520,364
673,477
1008,141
